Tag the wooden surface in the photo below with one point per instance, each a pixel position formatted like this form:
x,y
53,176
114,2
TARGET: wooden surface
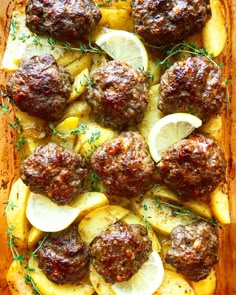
x,y
8,170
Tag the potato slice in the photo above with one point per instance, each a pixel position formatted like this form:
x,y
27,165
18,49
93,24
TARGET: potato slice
x,y
99,220
134,219
116,18
174,284
220,205
99,284
206,286
213,128
160,218
89,201
152,114
80,64
79,85
34,236
214,34
46,287
68,57
79,109
16,280
15,213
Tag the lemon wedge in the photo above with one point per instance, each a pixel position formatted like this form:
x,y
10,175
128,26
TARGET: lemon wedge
x,y
47,216
146,281
169,130
124,46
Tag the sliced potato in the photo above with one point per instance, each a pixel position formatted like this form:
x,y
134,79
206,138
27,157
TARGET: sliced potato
x,y
220,205
34,236
68,57
174,284
134,219
15,213
116,18
99,220
79,109
64,128
99,284
89,201
152,114
206,286
213,128
165,246
94,137
214,34
46,287
79,85
16,280
161,218
80,64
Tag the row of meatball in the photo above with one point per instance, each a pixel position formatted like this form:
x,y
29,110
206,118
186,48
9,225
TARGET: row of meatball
x,y
156,21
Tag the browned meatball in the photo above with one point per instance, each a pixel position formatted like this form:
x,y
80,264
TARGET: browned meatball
x,y
193,167
118,95
124,164
55,172
161,21
119,252
192,86
40,87
64,20
194,250
64,257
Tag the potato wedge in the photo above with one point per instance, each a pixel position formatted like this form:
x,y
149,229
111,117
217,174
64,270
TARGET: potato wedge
x,y
214,34
99,220
89,201
220,205
99,284
206,286
80,64
116,18
174,284
15,213
47,287
152,114
134,219
161,218
79,109
213,128
34,236
79,85
16,280
68,57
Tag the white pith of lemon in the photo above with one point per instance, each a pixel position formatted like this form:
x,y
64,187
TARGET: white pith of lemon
x,y
47,216
169,130
124,46
146,281
21,45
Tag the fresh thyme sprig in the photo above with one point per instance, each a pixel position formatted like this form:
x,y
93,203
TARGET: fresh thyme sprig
x,y
12,28
81,129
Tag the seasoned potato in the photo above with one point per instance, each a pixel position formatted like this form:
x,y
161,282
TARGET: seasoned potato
x,y
134,219
152,114
94,137
47,287
206,286
99,284
80,64
161,218
214,34
16,280
15,212
98,220
116,18
79,85
34,236
213,128
63,136
79,109
174,284
68,57
220,205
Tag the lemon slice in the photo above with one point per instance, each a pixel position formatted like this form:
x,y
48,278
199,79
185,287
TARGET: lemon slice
x,y
146,281
169,130
124,46
47,216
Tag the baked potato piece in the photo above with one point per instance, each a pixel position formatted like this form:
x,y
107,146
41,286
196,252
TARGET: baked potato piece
x,y
206,286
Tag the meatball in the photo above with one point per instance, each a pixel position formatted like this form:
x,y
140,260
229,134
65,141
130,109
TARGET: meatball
x,y
193,167
40,87
69,20
192,86
124,164
194,250
54,172
64,257
118,95
119,252
161,22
